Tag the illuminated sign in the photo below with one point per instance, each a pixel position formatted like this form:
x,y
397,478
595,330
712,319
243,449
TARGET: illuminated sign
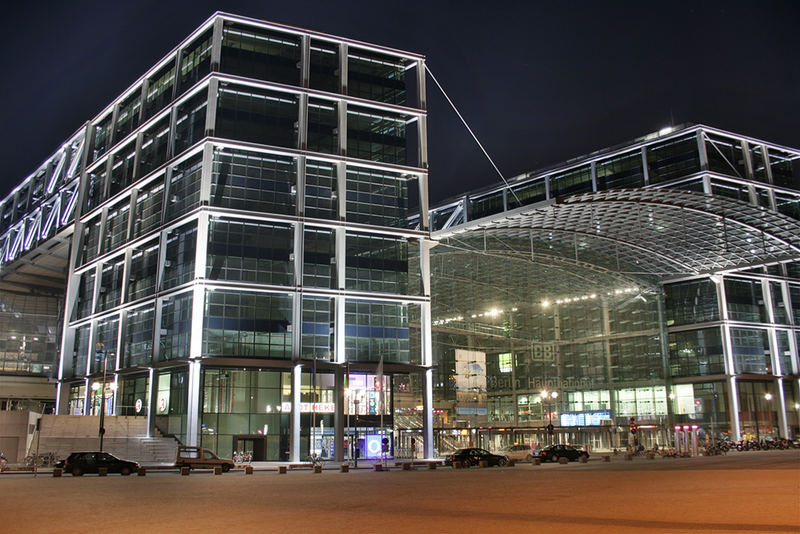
x,y
585,418
373,443
138,405
309,407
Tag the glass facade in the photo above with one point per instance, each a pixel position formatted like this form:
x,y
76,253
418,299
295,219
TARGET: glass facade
x,y
228,215
244,236
691,350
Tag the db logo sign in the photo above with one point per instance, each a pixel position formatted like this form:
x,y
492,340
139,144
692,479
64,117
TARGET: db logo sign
x,y
138,405
162,404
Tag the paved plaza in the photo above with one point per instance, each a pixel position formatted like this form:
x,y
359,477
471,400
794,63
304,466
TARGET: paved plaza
x,y
742,492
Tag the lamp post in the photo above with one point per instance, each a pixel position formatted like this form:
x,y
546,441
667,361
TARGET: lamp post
x,y
768,397
103,354
714,420
355,437
670,414
547,396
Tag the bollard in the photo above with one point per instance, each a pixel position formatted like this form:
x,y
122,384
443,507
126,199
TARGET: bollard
x,y
141,471
377,467
606,458
281,469
537,461
57,472
102,471
185,471
563,461
629,456
651,456
217,470
431,465
407,466
318,469
457,465
511,463
344,468
484,463
583,459
248,470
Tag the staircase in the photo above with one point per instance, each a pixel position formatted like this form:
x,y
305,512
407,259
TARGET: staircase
x,y
125,437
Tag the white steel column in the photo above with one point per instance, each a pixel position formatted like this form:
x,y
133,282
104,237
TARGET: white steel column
x,y
733,399
216,45
427,414
645,170
783,425
426,350
294,437
701,150
730,367
151,399
193,403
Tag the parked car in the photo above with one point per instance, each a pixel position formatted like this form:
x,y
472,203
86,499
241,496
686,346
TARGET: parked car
x,y
554,453
199,458
79,463
519,452
473,456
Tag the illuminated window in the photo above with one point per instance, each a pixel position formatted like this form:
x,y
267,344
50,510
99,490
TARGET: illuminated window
x,y
505,362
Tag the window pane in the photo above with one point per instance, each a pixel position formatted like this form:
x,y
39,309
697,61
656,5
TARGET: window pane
x,y
250,252
253,181
260,53
257,116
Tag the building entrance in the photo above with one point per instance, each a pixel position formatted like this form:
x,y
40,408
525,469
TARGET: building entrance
x,y
252,445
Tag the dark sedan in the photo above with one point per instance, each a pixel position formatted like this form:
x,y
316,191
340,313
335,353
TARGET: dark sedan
x,y
473,456
79,463
555,452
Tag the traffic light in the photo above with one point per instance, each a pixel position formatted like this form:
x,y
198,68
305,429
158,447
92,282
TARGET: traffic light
x,y
633,425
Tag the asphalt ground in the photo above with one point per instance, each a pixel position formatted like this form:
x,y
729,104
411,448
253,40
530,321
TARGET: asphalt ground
x,y
755,491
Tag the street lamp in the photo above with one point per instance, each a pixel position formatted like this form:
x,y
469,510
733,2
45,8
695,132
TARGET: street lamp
x,y
356,401
102,354
768,397
546,396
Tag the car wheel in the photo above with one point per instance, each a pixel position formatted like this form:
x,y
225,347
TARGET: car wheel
x,y
226,468
502,462
77,472
554,459
125,470
529,458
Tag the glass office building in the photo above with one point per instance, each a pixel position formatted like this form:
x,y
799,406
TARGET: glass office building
x,y
240,249
650,285
239,264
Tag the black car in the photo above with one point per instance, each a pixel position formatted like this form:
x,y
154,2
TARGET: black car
x,y
554,453
473,456
79,463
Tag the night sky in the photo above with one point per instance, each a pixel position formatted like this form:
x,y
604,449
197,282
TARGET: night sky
x,y
539,82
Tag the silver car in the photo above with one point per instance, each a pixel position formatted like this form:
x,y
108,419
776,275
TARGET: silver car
x,y
519,452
